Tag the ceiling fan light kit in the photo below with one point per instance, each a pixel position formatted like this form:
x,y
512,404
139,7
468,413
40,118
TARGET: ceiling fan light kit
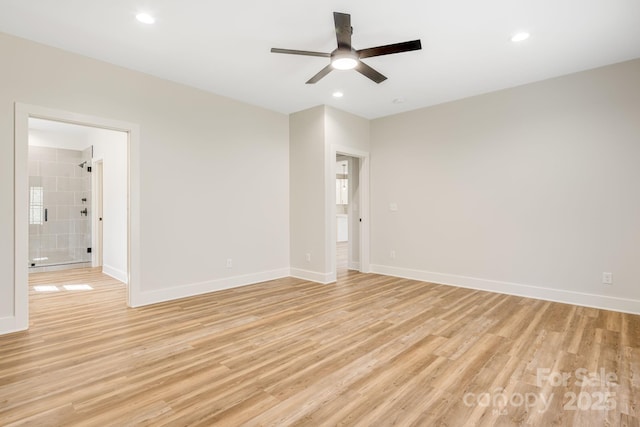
x,y
344,57
344,60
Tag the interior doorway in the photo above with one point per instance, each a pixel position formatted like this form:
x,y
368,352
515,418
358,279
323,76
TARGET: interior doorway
x,y
130,221
348,212
67,201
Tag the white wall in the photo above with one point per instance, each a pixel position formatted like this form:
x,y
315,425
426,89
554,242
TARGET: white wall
x,y
111,147
346,129
314,135
531,190
307,180
213,172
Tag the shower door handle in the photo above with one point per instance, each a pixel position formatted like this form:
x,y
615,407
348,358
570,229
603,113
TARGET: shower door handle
x,y
46,214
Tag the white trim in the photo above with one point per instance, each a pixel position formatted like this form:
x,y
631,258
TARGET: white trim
x,y
21,227
365,225
97,187
352,214
330,219
10,324
192,289
313,276
354,265
21,224
134,264
115,273
529,291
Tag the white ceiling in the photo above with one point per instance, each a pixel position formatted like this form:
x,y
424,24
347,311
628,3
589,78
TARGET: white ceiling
x,y
49,133
69,129
223,47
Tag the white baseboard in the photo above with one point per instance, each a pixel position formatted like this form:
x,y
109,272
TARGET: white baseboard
x,y
177,292
354,265
115,273
10,324
7,324
625,305
312,276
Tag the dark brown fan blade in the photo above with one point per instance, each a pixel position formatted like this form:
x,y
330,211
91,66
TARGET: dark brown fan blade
x,y
326,70
343,29
367,71
390,48
300,52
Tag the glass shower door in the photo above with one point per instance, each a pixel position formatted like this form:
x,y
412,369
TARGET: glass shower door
x,y
59,207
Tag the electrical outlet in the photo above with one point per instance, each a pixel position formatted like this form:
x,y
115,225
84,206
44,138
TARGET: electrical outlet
x,y
392,254
308,257
393,207
607,278
229,263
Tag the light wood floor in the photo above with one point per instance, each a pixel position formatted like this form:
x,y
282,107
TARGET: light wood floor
x,y
370,350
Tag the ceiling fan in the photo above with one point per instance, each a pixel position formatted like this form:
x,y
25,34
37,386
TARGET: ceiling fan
x,y
345,57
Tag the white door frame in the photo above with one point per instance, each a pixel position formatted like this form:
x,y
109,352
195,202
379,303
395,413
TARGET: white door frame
x,y
330,219
20,320
97,209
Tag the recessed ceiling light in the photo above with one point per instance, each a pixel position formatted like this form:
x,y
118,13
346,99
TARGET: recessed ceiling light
x,y
398,100
518,37
145,18
338,94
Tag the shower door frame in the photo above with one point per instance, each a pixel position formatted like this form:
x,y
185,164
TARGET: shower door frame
x,y
22,113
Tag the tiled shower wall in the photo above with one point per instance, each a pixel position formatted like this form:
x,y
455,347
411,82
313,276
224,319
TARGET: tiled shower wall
x,y
58,184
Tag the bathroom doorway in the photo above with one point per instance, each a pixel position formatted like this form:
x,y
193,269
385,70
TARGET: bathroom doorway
x,y
130,272
66,197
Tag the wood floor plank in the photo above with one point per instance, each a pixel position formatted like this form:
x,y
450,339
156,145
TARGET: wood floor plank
x,y
367,350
